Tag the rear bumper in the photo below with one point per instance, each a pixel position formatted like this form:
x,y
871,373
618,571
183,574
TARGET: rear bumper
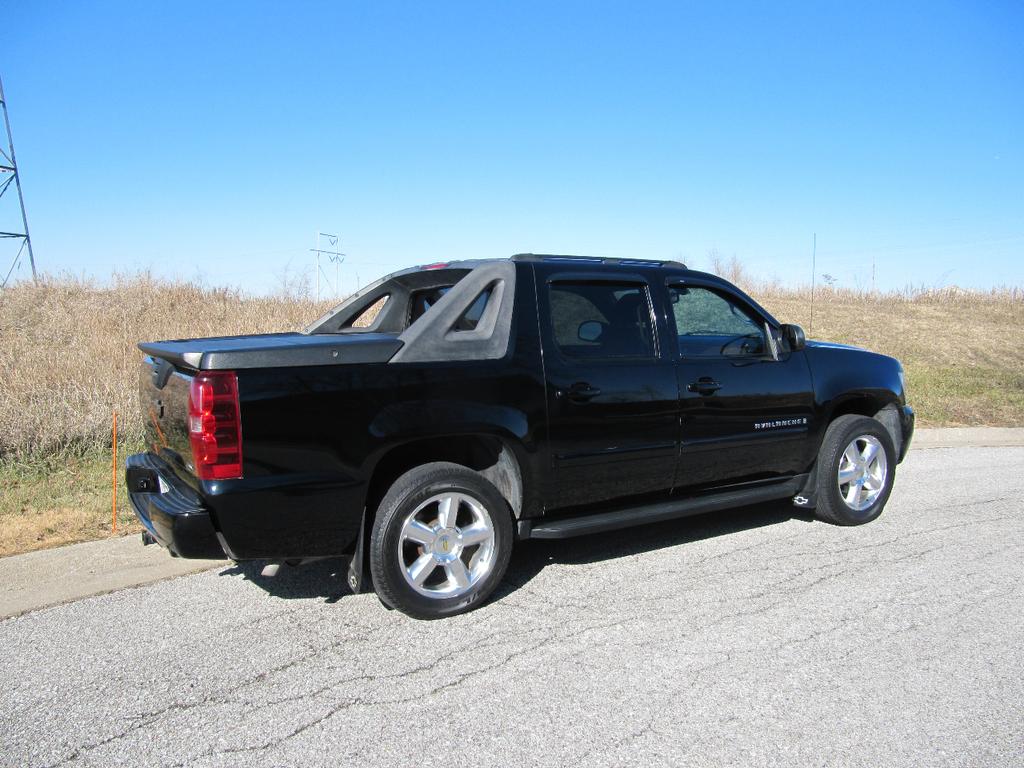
x,y
172,513
907,423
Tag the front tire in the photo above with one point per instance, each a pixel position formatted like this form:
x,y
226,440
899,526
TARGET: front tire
x,y
856,468
441,541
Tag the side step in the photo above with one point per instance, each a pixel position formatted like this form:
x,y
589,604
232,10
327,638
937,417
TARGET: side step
x,y
582,525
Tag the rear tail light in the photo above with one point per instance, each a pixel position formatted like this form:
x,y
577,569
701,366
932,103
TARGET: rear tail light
x,y
215,425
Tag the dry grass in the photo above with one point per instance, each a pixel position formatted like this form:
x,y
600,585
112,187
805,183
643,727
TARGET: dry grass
x,y
958,348
68,360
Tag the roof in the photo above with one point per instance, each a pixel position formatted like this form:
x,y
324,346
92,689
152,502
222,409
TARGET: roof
x,y
597,260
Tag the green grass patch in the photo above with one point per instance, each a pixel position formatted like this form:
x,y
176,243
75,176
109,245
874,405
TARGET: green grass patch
x,y
61,501
966,395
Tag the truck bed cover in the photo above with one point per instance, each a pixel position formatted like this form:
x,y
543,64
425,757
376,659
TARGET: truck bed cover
x,y
275,350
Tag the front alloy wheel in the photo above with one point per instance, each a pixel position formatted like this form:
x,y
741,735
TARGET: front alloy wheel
x,y
862,473
855,468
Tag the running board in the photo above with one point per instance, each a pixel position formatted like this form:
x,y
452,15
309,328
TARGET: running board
x,y
582,525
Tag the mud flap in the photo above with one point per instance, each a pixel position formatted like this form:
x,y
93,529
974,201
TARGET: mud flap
x,y
359,579
807,497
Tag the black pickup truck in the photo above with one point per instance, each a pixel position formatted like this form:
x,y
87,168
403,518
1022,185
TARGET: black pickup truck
x,y
447,411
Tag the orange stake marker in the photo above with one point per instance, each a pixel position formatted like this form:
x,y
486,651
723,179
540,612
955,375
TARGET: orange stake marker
x,y
113,475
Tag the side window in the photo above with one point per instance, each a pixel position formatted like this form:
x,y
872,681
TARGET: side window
x,y
711,324
471,316
601,320
368,315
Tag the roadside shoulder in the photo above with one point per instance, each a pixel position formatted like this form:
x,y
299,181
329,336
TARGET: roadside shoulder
x,y
50,577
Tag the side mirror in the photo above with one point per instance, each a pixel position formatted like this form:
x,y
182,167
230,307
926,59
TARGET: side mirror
x,y
676,292
795,336
591,331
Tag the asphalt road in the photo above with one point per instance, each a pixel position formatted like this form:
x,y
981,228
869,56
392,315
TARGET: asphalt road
x,y
758,637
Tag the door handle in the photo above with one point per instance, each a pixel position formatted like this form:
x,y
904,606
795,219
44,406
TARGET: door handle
x,y
705,385
580,392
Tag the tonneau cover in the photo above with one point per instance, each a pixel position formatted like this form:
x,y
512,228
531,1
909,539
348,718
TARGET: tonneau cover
x,y
275,350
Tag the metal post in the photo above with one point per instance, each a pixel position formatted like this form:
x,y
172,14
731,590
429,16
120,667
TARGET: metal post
x,y
17,182
814,267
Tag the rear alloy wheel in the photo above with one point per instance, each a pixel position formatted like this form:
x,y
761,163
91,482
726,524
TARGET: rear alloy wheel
x,y
856,466
441,541
447,545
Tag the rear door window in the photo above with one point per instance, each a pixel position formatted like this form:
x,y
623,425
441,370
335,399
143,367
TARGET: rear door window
x,y
602,320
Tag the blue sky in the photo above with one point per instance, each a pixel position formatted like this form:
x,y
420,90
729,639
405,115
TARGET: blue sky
x,y
213,140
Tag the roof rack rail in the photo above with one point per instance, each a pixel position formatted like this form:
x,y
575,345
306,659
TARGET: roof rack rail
x,y
597,260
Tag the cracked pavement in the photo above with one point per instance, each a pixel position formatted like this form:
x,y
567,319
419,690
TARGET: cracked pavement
x,y
757,637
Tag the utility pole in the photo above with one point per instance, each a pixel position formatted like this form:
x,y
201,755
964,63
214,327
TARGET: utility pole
x,y
814,267
332,256
8,165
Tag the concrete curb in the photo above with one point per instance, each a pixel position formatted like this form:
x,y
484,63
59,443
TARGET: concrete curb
x,y
968,437
50,577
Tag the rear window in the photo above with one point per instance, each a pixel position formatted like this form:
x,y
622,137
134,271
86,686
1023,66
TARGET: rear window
x,y
421,301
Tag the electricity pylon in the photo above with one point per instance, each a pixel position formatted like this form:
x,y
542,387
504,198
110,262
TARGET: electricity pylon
x,y
8,174
332,256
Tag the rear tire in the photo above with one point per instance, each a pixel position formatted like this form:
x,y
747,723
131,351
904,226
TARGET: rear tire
x,y
441,541
856,468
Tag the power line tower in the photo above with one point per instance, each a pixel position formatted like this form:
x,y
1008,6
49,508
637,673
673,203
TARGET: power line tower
x,y
332,256
9,174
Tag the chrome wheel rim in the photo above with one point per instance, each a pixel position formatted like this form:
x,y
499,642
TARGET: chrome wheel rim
x,y
446,546
862,472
